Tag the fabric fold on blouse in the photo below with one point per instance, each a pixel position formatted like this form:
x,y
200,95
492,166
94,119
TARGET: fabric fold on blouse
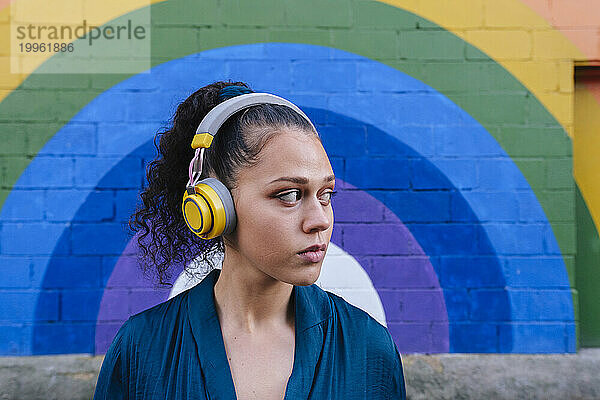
x,y
175,350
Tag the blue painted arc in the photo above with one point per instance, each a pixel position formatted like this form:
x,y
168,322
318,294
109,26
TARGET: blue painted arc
x,y
415,116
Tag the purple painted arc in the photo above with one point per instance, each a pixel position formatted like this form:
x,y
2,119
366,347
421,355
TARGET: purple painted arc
x,y
397,265
400,270
126,293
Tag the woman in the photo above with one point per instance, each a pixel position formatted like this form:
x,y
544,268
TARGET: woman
x,y
258,328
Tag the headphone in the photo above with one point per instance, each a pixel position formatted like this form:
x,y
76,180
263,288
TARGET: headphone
x,y
207,205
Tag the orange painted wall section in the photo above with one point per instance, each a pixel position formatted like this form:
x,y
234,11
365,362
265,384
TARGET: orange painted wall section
x,y
577,20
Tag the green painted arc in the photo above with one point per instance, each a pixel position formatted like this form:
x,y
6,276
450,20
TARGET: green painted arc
x,y
400,39
587,276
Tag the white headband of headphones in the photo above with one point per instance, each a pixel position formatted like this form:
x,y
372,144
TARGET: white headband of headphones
x,y
221,112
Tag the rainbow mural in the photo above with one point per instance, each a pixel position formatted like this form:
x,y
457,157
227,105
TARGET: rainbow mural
x,y
449,126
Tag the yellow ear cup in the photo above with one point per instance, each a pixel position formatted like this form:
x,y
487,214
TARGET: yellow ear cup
x,y
196,213
204,212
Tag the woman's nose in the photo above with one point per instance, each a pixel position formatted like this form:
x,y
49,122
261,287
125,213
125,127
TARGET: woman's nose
x,y
316,217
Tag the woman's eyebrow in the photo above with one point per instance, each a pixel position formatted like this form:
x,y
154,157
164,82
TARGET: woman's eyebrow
x,y
300,179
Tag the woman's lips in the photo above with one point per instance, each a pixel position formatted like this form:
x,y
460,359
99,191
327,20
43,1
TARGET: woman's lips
x,y
312,256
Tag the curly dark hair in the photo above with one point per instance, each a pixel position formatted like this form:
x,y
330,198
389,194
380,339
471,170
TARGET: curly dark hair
x,y
163,238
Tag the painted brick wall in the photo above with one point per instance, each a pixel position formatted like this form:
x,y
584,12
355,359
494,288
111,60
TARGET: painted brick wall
x,y
450,124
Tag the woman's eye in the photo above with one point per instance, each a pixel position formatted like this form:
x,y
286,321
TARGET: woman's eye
x,y
295,195
328,196
290,197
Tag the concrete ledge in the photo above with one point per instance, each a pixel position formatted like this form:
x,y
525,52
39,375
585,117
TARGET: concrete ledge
x,y
446,376
49,377
504,376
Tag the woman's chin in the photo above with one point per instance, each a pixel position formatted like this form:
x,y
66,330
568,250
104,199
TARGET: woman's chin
x,y
308,276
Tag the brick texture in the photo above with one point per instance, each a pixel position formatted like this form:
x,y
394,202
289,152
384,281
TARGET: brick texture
x,y
486,214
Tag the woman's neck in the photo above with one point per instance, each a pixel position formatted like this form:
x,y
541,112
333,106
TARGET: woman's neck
x,y
247,300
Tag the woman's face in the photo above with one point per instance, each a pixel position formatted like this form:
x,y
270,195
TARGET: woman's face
x,y
283,206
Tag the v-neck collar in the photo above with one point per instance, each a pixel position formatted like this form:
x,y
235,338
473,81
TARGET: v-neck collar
x,y
311,307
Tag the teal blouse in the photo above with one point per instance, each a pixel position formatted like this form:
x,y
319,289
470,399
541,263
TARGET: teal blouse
x,y
175,350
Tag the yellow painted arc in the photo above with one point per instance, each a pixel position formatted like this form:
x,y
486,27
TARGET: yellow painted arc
x,y
492,26
65,11
586,147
